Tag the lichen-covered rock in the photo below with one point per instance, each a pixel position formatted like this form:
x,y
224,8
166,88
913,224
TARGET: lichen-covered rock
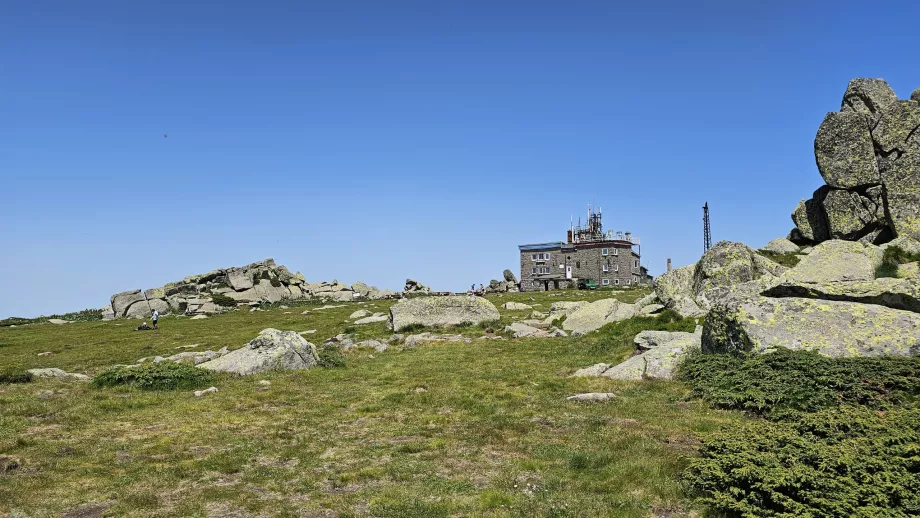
x,y
831,328
376,317
809,218
442,311
663,353
509,276
516,306
781,245
845,152
867,96
271,350
596,314
837,261
895,293
591,372
852,216
413,286
727,267
906,243
139,309
674,289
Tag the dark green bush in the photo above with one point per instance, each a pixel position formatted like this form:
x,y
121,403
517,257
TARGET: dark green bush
x,y
330,356
783,382
846,461
155,376
788,259
14,374
222,300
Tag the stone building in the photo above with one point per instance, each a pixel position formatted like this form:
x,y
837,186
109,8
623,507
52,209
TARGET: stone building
x,y
609,259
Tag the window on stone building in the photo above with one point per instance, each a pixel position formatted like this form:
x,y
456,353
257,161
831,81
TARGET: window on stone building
x,y
606,267
616,267
637,263
627,282
604,251
605,282
535,271
577,264
616,281
616,252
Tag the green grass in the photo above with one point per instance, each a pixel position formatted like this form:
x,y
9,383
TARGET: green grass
x,y
442,429
894,256
155,376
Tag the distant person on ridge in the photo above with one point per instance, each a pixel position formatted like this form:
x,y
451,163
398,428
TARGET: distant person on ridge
x,y
156,318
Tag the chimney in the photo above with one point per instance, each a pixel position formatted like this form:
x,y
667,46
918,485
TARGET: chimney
x,y
628,236
669,264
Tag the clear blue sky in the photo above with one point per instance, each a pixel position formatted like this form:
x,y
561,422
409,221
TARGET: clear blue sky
x,y
376,141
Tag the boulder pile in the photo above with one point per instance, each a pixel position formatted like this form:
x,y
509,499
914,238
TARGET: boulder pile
x,y
508,284
868,154
219,290
415,288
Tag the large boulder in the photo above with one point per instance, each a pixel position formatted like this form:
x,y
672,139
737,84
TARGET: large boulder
x,y
596,314
845,152
661,353
674,289
728,264
509,276
781,245
869,156
271,350
831,328
413,286
122,301
442,311
139,309
895,293
837,261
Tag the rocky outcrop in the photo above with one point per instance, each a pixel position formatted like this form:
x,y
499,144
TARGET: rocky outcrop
x,y
831,328
868,154
414,287
271,350
442,311
219,290
691,290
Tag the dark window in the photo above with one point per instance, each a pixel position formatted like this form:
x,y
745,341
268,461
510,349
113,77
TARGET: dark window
x,y
577,264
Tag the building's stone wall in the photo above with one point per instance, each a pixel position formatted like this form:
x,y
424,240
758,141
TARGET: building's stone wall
x,y
587,261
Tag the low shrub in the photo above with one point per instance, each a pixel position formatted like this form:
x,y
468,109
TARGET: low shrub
x,y
14,374
222,300
846,461
330,356
783,382
155,376
788,259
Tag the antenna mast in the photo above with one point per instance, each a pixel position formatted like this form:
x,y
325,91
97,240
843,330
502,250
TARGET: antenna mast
x,y
707,236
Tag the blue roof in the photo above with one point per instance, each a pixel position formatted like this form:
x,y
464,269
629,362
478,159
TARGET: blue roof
x,y
540,246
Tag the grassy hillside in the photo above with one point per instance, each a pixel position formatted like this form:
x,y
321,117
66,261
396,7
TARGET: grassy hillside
x,y
443,429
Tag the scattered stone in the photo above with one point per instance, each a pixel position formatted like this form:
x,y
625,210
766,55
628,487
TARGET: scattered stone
x,y
361,313
593,371
651,309
442,311
516,306
661,353
265,383
417,339
211,390
307,332
202,317
413,286
376,317
56,373
592,396
373,344
192,346
46,353
271,350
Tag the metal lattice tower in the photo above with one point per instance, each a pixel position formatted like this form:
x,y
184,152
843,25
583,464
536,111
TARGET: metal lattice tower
x,y
707,237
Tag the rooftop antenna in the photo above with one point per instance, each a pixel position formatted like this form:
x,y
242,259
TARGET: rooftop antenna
x,y
707,236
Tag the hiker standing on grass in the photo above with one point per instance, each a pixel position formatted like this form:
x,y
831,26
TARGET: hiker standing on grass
x,y
156,316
